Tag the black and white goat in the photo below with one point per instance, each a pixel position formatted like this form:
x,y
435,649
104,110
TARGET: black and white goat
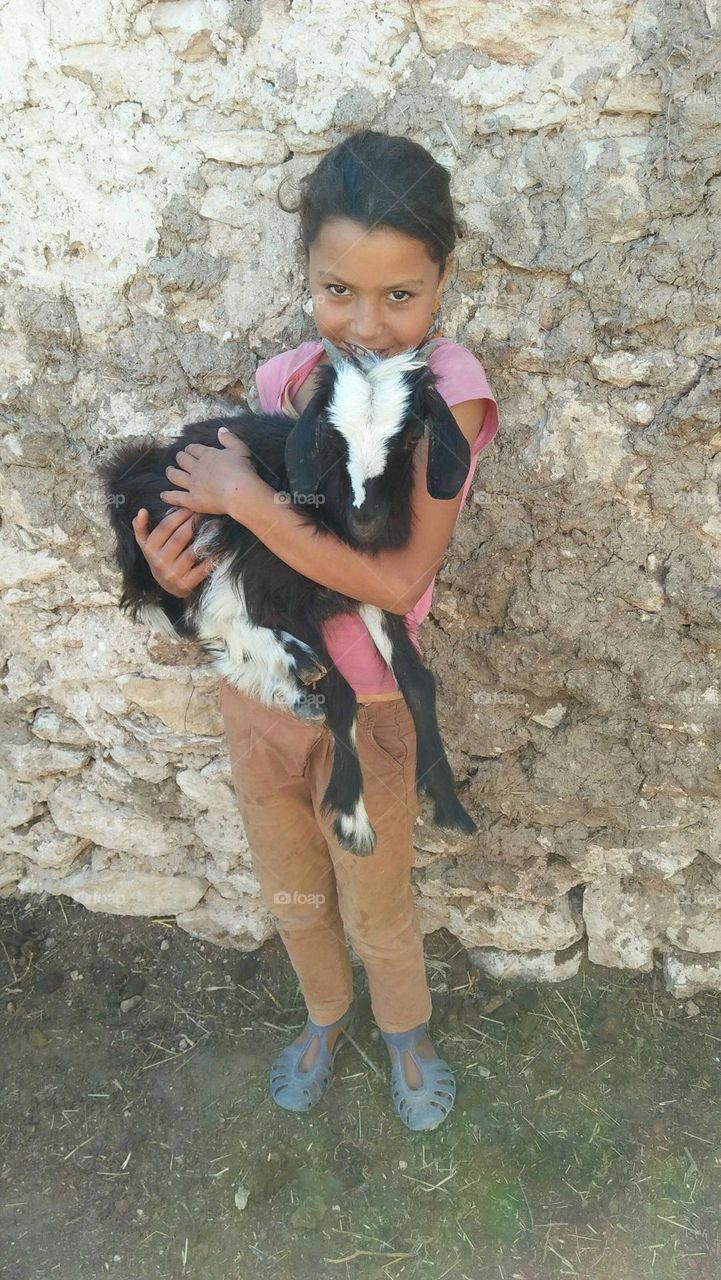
x,y
347,464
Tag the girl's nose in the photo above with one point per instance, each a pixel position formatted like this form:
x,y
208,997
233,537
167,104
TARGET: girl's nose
x,y
366,329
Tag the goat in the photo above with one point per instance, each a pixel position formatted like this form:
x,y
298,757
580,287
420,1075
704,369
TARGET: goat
x,y
347,465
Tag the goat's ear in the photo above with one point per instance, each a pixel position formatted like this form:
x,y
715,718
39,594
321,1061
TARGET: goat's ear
x,y
302,451
449,453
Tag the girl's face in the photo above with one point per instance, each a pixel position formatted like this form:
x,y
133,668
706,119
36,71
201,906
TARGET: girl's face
x,y
372,289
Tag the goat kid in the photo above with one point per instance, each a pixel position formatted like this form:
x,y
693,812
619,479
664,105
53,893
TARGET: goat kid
x,y
346,465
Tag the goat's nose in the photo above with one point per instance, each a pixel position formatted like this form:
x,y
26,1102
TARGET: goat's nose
x,y
365,534
365,527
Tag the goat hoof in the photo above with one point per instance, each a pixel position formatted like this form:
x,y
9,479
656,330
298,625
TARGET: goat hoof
x,y
452,816
311,672
356,838
305,664
314,671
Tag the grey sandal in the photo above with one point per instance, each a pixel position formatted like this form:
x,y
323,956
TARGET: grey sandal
x,y
297,1090
428,1105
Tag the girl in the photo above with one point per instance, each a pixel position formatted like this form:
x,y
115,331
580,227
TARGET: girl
x,y
378,230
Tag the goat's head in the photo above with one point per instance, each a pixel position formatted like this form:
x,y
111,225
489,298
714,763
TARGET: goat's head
x,y
355,441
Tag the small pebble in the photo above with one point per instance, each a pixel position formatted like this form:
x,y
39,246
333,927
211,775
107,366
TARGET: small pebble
x,y
131,1003
165,945
241,1197
75,975
133,986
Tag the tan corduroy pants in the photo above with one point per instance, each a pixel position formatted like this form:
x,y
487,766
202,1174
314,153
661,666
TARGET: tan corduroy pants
x,y
316,891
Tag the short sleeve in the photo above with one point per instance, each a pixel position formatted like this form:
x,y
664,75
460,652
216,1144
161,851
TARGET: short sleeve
x,y
272,376
460,376
268,376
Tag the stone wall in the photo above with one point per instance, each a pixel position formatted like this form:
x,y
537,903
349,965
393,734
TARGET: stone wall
x,y
147,269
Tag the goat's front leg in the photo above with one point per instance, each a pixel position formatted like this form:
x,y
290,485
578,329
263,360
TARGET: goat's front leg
x,y
418,686
343,799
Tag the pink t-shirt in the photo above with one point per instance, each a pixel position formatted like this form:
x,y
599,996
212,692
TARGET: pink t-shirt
x,y
460,376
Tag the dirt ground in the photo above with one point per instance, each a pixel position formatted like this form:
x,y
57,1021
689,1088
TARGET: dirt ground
x,y
138,1139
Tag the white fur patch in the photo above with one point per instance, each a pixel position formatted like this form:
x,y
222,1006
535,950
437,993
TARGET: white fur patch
x,y
374,621
368,408
250,658
357,826
157,618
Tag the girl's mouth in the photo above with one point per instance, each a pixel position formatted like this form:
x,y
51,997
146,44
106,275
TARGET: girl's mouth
x,y
365,351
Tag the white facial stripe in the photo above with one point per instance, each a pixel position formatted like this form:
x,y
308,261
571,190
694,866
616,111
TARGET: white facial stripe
x,y
368,409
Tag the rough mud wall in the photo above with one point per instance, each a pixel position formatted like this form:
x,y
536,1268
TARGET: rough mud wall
x,y
147,269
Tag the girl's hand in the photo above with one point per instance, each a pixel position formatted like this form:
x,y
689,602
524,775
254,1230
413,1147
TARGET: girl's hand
x,y
172,563
212,481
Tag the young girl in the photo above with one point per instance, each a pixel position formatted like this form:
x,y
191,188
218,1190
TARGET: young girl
x,y
378,230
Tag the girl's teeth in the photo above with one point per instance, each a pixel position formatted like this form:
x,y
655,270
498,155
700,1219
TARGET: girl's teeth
x,y
364,351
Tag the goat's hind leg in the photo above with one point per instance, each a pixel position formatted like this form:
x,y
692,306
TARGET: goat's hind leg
x,y
418,686
302,660
268,663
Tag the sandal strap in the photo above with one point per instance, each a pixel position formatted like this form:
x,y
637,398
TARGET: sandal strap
x,y
313,1083
435,1096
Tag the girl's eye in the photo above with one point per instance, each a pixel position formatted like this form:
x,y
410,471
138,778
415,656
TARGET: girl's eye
x,y
342,286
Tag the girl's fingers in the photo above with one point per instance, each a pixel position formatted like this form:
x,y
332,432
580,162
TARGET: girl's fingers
x,y
190,557
164,529
170,541
174,497
140,526
191,572
176,476
196,575
190,453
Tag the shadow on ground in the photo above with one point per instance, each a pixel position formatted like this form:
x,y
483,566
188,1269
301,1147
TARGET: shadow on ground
x,y
138,1139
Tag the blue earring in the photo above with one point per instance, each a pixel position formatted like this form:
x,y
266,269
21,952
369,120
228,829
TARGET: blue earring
x,y
435,327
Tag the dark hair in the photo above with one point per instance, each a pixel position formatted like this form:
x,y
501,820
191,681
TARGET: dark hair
x,y
380,180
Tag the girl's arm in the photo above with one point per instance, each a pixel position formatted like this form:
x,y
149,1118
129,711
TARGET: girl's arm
x,y
392,580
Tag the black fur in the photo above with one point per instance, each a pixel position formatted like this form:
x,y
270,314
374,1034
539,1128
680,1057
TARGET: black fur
x,y
305,458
